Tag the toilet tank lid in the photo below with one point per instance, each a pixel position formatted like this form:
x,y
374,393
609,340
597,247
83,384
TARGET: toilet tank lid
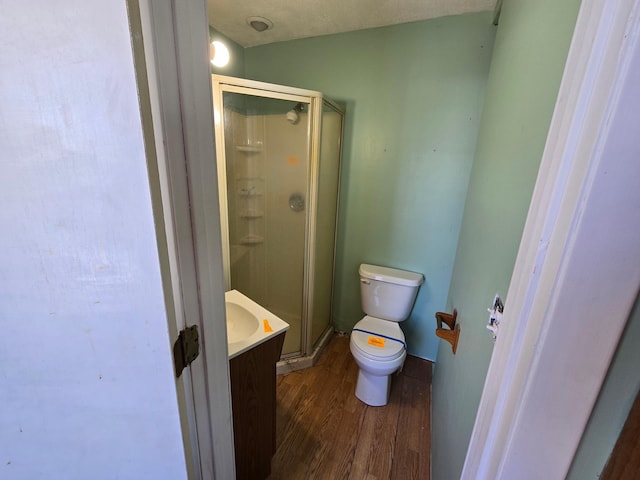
x,y
391,275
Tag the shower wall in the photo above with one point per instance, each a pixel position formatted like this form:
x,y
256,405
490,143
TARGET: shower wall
x,y
244,164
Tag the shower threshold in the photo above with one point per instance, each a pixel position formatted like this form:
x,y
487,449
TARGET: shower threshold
x,y
293,363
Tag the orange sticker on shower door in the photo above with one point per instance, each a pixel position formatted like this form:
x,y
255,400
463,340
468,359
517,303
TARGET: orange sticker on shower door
x,y
376,342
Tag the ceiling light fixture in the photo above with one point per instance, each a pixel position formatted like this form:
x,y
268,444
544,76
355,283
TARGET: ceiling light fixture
x,y
259,24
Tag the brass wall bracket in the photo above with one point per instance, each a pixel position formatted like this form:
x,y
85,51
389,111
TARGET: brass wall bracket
x,y
451,334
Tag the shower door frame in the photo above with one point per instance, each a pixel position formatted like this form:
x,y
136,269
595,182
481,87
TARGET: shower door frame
x,y
222,84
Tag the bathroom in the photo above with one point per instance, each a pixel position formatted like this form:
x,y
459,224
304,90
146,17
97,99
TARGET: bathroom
x,y
414,129
422,172
413,102
409,139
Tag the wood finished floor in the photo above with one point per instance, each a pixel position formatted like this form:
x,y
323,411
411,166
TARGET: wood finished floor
x,y
324,432
624,462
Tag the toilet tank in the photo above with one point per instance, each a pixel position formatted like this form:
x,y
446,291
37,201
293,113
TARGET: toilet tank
x,y
388,293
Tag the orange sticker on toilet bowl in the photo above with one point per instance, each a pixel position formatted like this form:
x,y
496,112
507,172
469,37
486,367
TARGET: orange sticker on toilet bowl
x,y
267,326
376,342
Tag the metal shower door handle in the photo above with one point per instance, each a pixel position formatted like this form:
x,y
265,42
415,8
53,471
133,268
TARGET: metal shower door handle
x,y
296,202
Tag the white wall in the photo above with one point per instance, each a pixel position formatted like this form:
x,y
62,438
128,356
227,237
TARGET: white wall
x,y
86,383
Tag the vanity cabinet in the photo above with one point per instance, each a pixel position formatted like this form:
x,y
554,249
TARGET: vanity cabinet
x,y
253,395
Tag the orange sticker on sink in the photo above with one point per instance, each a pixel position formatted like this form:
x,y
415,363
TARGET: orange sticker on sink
x,y
267,327
376,342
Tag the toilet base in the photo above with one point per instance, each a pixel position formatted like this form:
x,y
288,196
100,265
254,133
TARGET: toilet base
x,y
373,389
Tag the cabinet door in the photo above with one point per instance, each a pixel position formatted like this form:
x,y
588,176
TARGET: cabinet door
x,y
253,394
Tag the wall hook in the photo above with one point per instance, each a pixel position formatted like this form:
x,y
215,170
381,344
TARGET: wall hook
x,y
451,334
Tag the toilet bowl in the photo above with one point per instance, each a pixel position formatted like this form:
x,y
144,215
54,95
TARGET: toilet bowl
x,y
377,343
379,350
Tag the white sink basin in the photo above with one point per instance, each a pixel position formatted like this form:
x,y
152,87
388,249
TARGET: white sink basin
x,y
249,324
241,323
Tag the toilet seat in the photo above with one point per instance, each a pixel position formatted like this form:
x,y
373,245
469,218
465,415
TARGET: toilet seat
x,y
378,340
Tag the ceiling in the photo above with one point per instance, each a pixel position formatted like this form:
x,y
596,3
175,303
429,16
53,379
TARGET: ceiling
x,y
294,19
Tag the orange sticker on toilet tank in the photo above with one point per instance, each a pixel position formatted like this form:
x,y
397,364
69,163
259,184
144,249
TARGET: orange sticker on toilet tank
x,y
376,342
267,326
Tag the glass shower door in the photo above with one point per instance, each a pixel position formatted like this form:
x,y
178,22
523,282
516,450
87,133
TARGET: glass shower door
x,y
267,149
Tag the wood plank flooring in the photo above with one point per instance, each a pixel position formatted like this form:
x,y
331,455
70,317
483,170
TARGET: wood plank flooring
x,y
324,432
624,462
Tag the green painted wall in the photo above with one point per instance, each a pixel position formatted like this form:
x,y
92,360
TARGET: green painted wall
x,y
528,58
614,402
413,95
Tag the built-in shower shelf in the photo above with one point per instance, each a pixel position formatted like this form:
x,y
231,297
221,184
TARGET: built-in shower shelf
x,y
249,214
251,240
245,192
249,148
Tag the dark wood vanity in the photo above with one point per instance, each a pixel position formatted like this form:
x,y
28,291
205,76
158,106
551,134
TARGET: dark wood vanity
x,y
253,395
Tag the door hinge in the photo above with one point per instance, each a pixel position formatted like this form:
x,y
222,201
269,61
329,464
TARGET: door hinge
x,y
186,348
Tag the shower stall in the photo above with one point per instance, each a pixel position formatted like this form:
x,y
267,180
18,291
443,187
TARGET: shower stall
x,y
279,151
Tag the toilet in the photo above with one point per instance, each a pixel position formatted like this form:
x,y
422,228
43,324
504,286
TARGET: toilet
x,y
377,342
